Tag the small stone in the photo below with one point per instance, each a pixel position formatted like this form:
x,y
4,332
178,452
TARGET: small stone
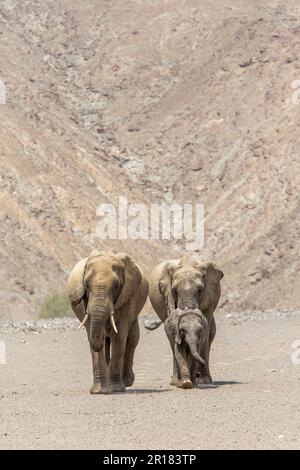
x,y
272,370
246,63
152,324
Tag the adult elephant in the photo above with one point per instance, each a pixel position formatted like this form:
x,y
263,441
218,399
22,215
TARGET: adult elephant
x,y
187,284
107,292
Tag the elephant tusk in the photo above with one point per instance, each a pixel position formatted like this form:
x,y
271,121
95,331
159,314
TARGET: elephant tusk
x,y
84,321
113,323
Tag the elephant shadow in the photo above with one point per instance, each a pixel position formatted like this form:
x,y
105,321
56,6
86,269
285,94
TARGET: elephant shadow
x,y
214,385
219,383
140,391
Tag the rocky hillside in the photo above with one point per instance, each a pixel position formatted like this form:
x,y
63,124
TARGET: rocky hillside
x,y
159,101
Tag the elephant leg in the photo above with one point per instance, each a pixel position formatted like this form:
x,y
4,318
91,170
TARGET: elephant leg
x,y
193,371
205,376
132,342
107,350
175,376
100,373
118,346
183,369
100,384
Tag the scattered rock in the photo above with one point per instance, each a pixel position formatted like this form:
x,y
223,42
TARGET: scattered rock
x,y
152,324
246,63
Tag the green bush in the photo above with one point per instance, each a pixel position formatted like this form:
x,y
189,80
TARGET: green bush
x,y
55,305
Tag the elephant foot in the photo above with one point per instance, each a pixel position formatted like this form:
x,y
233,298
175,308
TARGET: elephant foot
x,y
117,387
96,389
128,379
204,379
174,381
185,384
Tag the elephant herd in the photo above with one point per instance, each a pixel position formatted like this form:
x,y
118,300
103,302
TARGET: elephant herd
x,y
107,292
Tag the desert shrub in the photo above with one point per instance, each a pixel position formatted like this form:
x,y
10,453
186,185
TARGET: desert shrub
x,y
55,305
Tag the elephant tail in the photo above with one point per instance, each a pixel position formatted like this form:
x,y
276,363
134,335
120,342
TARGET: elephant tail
x,y
152,324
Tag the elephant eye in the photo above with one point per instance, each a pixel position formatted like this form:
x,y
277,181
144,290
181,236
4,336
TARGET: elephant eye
x,y
115,285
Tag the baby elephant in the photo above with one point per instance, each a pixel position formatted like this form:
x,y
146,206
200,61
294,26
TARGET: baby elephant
x,y
187,331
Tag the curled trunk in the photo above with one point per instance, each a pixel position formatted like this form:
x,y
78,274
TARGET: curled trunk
x,y
194,352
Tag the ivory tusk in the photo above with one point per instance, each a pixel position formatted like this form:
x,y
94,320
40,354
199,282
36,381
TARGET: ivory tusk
x,y
84,321
113,324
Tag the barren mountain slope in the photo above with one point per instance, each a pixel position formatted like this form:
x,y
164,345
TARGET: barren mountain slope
x,y
54,172
176,101
216,122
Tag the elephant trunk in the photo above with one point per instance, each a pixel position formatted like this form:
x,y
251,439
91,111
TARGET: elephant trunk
x,y
99,311
97,329
194,352
187,301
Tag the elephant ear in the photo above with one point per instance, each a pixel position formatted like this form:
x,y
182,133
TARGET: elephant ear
x,y
178,339
165,285
171,323
76,288
132,279
212,275
201,318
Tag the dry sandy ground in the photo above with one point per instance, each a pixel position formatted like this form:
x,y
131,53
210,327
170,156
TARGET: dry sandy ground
x,y
44,399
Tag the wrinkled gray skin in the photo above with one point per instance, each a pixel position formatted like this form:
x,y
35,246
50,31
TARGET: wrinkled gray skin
x,y
187,331
187,284
101,286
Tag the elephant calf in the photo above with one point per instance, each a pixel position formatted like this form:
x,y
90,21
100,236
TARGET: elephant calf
x,y
187,331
